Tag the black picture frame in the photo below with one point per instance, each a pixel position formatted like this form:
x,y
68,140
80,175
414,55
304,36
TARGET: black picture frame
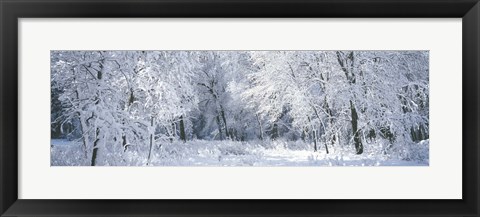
x,y
12,10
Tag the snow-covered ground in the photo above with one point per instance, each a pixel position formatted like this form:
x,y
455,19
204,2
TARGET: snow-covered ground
x,y
227,153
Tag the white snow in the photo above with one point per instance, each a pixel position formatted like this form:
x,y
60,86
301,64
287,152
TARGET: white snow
x,y
227,153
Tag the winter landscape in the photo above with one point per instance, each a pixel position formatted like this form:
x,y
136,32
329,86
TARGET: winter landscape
x,y
239,108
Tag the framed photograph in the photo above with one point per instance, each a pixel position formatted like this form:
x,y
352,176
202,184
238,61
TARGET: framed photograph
x,y
251,108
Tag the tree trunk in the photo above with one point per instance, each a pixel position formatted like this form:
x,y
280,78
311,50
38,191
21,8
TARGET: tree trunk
x,y
219,127
314,135
274,131
152,131
261,128
83,127
95,148
356,134
174,130
124,142
330,115
222,112
182,130
97,130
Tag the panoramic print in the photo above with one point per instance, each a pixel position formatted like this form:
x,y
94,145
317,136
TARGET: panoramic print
x,y
239,108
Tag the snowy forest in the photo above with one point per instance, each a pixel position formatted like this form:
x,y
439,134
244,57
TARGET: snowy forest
x,y
239,108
